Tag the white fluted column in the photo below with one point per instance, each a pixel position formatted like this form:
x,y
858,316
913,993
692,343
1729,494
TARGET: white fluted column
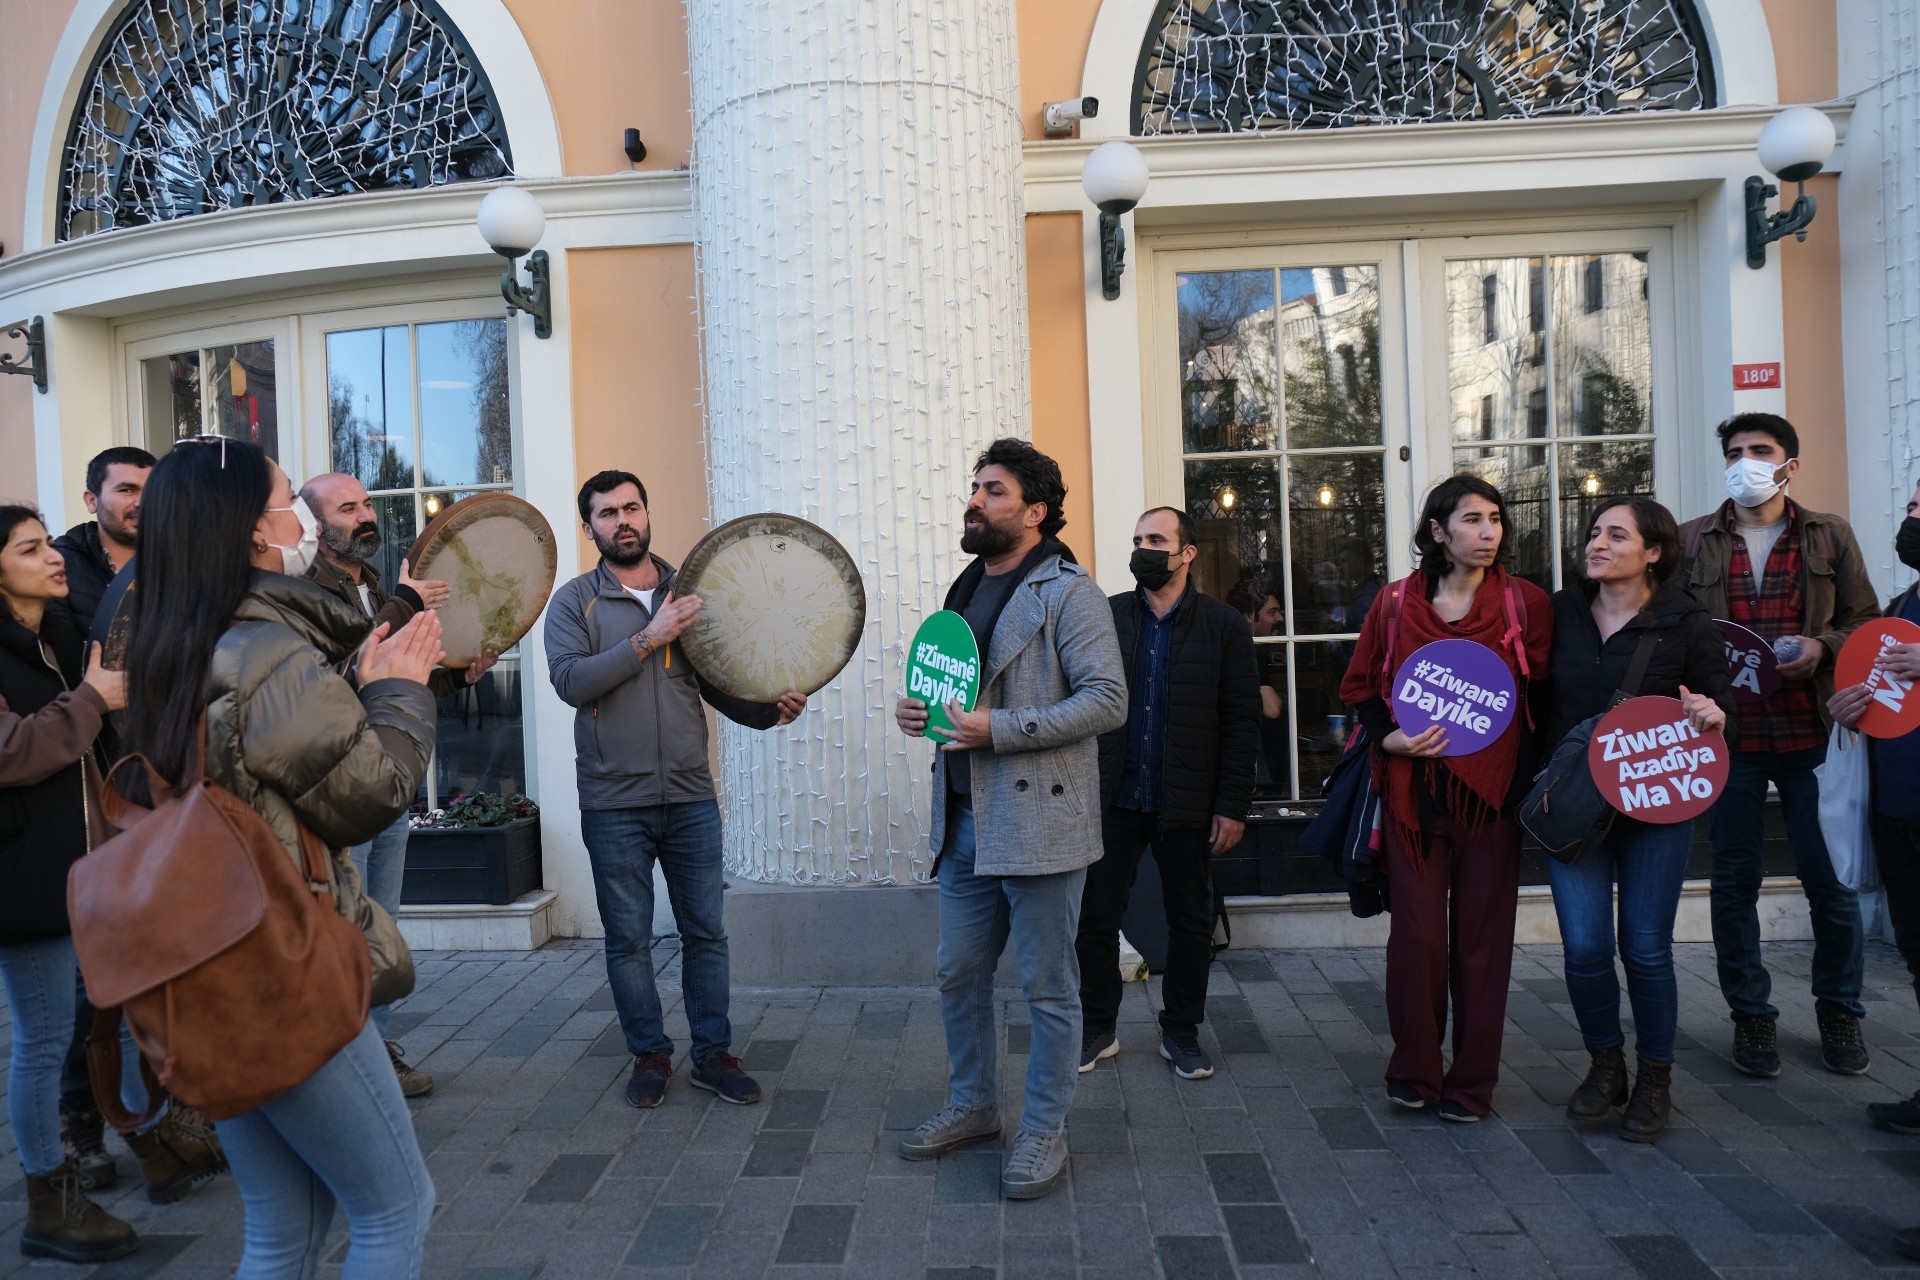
x,y
858,205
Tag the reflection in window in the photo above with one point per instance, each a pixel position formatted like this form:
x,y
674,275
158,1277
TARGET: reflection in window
x,y
1290,515
224,391
1276,65
1587,375
420,414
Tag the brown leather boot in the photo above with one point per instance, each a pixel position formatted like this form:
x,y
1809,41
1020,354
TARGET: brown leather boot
x,y
177,1155
83,1137
1651,1104
62,1223
1604,1088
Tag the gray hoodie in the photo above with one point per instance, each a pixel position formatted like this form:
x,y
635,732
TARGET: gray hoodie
x,y
639,735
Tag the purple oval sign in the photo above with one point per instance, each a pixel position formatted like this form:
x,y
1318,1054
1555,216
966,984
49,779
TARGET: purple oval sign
x,y
1463,686
1750,661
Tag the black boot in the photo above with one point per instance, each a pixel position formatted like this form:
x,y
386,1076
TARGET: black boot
x,y
1604,1088
1651,1104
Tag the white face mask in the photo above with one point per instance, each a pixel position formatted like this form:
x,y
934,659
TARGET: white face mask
x,y
1751,483
299,557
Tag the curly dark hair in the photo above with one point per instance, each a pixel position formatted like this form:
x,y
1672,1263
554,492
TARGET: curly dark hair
x,y
1441,504
1039,477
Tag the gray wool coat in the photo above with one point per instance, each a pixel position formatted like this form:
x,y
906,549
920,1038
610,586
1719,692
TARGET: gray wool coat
x,y
1053,683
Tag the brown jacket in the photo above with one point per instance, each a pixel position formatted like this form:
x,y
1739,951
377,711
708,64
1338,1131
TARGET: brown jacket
x,y
395,610
1839,593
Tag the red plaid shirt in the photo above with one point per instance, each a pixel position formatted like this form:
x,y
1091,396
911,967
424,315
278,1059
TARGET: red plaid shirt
x,y
1790,719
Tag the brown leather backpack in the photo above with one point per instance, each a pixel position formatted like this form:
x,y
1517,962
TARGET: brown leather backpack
x,y
236,973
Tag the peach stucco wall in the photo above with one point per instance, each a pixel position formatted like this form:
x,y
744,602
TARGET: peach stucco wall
x,y
1806,60
610,65
32,30
636,383
1057,329
1053,55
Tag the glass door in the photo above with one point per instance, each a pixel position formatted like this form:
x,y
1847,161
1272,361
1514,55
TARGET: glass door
x,y
1553,380
1278,431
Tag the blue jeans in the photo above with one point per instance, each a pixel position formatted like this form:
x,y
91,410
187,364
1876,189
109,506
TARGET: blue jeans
x,y
39,979
622,846
382,862
1838,956
342,1135
1649,863
977,914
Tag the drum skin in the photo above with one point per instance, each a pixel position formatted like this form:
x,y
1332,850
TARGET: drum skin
x,y
782,606
496,553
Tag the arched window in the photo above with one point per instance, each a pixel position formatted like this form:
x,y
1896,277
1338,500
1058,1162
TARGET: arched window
x,y
1269,66
194,106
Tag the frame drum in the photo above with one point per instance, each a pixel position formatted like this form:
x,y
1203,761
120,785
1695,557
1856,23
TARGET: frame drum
x,y
496,553
782,606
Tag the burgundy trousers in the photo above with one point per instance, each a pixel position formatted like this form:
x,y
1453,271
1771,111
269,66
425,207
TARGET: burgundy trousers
x,y
1452,935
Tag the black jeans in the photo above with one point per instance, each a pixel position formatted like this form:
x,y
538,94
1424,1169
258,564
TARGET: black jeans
x,y
1896,843
1187,887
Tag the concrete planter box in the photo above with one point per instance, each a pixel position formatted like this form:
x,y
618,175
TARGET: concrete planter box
x,y
493,865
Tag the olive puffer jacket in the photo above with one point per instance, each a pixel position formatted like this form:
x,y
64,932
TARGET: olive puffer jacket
x,y
291,736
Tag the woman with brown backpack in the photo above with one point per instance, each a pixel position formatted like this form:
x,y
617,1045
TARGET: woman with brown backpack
x,y
245,677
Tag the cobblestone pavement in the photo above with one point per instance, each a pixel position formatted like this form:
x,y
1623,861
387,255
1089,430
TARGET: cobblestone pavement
x,y
1289,1162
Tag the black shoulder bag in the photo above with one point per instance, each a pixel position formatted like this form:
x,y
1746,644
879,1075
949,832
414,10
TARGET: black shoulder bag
x,y
1565,811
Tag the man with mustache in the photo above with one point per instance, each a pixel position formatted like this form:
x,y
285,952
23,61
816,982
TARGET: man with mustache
x,y
646,791
349,540
1016,817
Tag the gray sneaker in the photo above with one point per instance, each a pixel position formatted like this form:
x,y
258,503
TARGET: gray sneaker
x,y
1035,1165
954,1127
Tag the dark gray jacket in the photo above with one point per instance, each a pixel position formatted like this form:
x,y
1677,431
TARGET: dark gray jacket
x,y
639,735
1052,684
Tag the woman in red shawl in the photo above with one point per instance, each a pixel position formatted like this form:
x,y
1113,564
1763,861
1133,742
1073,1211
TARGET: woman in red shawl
x,y
1451,846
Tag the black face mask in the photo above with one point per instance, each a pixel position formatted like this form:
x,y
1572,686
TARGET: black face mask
x,y
1906,542
1151,569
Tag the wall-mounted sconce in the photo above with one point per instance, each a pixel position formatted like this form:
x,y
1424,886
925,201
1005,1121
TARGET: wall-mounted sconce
x,y
636,150
512,222
1793,147
34,332
1114,178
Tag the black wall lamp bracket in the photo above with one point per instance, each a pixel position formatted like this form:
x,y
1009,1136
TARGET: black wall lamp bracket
x,y
535,297
34,331
1113,254
1764,228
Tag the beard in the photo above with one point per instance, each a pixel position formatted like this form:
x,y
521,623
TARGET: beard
x,y
987,539
624,554
124,532
358,544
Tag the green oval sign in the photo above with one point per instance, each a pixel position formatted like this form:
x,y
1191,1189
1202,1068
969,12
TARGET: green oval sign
x,y
943,665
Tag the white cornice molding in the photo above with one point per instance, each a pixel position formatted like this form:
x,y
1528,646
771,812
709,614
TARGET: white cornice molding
x,y
418,229
1502,149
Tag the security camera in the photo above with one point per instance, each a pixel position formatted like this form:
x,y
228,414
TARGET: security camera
x,y
636,150
1058,118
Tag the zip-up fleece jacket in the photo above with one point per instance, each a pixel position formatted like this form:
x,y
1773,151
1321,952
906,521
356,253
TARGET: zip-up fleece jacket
x,y
49,781
89,571
639,735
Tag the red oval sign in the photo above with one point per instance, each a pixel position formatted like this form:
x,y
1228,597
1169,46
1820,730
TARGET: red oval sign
x,y
1751,663
1895,709
1650,763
